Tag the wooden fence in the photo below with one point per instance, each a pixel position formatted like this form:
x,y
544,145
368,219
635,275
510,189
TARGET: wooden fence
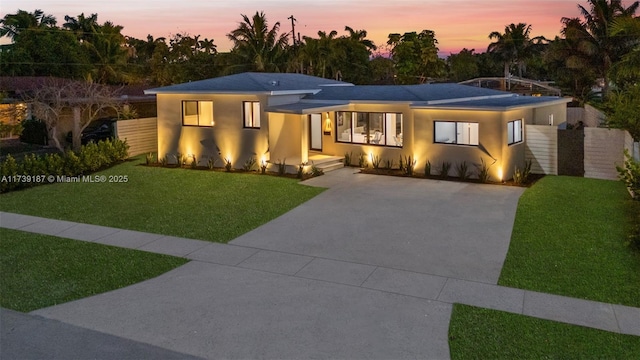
x,y
542,149
141,135
603,150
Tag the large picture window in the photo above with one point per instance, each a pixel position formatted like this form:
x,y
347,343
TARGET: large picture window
x,y
197,113
251,114
459,133
369,128
514,132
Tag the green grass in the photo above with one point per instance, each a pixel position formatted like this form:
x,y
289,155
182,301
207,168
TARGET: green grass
x,y
197,204
569,239
40,270
476,333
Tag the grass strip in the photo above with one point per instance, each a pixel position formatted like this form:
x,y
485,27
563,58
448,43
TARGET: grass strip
x,y
41,270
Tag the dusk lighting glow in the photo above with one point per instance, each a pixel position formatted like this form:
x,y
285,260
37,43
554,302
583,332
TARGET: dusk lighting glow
x,y
457,23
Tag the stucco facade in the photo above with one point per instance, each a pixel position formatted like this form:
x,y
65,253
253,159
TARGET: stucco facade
x,y
495,122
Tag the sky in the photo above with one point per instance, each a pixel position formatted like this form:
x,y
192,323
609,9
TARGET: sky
x,y
457,23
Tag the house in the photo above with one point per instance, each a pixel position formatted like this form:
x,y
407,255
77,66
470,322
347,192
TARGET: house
x,y
276,116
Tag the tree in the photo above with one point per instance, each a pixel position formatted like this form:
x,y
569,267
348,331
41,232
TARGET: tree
x,y
626,72
13,25
623,110
416,56
463,65
514,47
85,100
45,52
258,47
596,46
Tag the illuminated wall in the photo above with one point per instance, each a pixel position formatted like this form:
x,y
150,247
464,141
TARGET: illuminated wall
x,y
226,139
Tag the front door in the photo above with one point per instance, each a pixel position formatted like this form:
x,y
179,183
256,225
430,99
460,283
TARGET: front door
x,y
315,132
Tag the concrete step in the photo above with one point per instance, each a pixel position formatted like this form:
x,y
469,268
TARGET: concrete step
x,y
329,166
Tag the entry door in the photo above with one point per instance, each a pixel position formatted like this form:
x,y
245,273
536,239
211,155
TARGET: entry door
x,y
315,132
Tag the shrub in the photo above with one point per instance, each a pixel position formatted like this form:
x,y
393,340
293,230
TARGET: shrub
x,y
34,132
522,176
427,168
444,169
54,164
409,165
211,162
630,174
194,161
228,165
249,164
463,170
375,161
8,170
72,164
362,161
482,171
301,169
282,167
7,130
347,158
315,171
149,158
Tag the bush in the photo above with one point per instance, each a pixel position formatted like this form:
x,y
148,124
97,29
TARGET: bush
x,y
91,157
630,174
34,132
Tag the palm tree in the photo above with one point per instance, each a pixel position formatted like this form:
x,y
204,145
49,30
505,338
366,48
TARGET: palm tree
x,y
327,51
83,27
513,47
259,47
13,24
597,44
627,70
360,36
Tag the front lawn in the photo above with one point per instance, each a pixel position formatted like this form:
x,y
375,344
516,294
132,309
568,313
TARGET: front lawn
x,y
40,270
197,204
476,333
569,239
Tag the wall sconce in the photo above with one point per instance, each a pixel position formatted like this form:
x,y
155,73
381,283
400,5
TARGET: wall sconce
x,y
327,125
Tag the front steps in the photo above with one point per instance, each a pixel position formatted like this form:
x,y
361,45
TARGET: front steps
x,y
326,163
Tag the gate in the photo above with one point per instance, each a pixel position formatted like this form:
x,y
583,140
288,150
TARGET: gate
x,y
571,152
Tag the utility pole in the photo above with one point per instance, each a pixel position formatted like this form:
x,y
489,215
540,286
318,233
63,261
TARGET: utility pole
x,y
293,29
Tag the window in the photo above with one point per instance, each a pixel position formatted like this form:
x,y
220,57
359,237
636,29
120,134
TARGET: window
x,y
197,113
369,128
451,132
514,132
251,114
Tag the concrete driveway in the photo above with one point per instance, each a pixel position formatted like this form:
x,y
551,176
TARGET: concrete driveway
x,y
368,269
451,229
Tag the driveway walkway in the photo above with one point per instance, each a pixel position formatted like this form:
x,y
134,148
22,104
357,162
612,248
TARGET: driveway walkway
x,y
290,296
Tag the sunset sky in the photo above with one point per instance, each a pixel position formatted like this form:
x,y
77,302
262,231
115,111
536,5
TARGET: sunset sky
x,y
457,23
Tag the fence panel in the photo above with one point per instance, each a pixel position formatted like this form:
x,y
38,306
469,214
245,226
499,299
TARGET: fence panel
x,y
542,149
141,135
603,150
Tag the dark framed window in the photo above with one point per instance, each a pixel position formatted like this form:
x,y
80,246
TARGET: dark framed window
x,y
455,132
514,132
197,113
372,128
251,114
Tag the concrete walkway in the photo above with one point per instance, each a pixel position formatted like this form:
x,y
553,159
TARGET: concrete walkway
x,y
290,301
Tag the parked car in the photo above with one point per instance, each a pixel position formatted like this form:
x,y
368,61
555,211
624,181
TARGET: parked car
x,y
99,129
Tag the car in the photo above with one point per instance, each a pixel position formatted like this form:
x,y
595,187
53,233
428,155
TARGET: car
x,y
99,129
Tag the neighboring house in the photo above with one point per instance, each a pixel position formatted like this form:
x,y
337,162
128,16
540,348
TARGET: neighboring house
x,y
274,116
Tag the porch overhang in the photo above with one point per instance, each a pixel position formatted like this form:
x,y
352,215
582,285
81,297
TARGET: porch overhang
x,y
304,108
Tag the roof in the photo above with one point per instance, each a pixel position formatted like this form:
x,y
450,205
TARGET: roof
x,y
271,83
328,95
406,93
309,108
495,103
